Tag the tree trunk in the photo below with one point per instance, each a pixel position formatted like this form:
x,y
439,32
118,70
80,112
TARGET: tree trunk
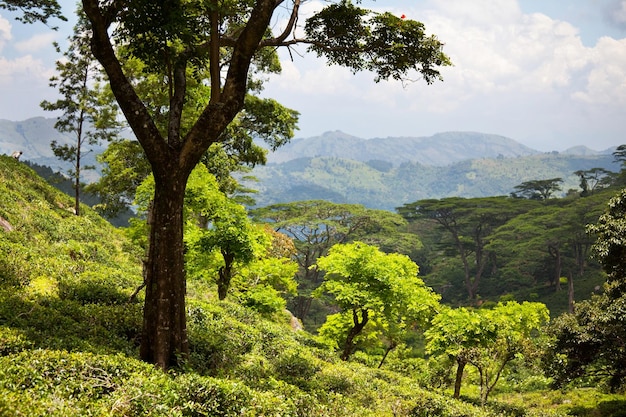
x,y
570,293
225,274
164,338
389,348
348,346
459,376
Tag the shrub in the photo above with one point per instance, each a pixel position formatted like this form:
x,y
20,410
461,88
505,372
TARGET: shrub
x,y
217,342
93,288
297,367
12,341
264,299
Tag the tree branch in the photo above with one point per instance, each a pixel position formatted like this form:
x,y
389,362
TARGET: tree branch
x,y
131,105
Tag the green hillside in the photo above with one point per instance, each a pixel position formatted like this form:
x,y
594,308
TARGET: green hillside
x,y
378,184
69,339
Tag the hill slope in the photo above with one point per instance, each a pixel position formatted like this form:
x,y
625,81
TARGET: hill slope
x,y
377,184
68,335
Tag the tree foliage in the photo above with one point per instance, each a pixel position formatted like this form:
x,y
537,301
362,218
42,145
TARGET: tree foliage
x,y
538,189
365,282
317,225
34,10
591,340
124,168
467,223
488,339
219,45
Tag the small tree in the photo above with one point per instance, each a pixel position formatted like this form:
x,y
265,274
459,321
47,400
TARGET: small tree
x,y
365,281
214,225
515,327
487,339
317,225
124,168
88,114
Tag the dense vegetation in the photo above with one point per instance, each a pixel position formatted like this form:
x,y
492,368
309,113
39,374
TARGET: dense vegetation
x,y
378,183
213,333
69,338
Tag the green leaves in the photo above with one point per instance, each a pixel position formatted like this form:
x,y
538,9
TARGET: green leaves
x,y
34,10
486,338
363,280
382,43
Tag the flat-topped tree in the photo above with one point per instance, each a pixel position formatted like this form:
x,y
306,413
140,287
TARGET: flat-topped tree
x,y
221,44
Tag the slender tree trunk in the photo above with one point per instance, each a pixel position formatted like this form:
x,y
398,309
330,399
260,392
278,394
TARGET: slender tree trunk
x,y
391,347
460,368
77,184
164,337
555,252
225,274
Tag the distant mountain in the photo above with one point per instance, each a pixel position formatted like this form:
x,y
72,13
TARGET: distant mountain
x,y
386,173
582,150
378,173
33,137
437,150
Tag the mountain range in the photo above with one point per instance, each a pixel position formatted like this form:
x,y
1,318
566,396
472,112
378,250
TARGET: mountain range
x,y
378,173
385,173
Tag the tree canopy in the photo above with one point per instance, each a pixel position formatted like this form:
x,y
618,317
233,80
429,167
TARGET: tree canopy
x,y
366,282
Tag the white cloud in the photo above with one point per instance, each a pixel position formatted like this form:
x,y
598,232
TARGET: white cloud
x,y
25,69
525,75
36,43
606,79
5,32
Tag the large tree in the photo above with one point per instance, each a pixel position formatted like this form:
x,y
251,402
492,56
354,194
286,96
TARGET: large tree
x,y
468,223
538,189
592,341
216,43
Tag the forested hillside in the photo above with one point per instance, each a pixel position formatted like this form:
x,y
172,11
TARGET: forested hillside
x,y
69,329
383,185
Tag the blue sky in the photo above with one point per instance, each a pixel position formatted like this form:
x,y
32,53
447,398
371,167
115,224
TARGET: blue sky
x,y
550,74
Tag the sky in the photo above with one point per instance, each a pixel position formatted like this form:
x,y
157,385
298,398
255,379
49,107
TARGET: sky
x,y
550,74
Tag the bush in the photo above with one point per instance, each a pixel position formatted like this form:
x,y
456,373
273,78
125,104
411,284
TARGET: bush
x,y
217,342
56,383
297,367
437,406
63,324
264,299
93,288
13,341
